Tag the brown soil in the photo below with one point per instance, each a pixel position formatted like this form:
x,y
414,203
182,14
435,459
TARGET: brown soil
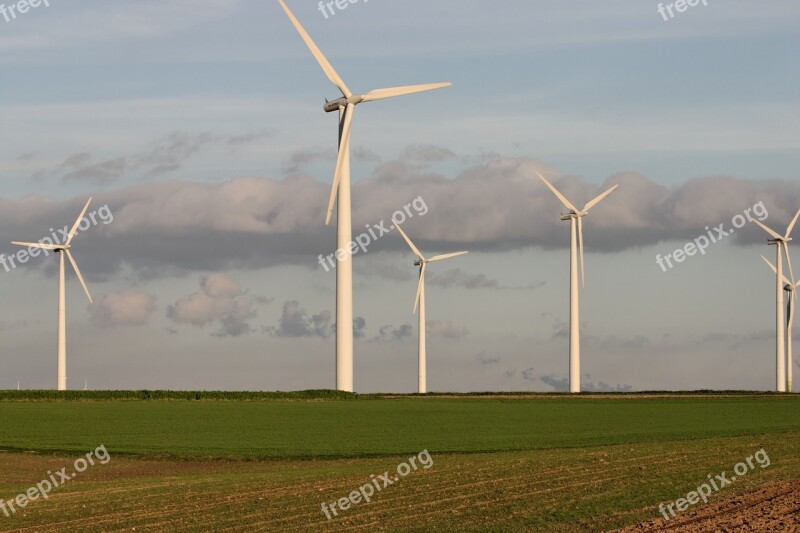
x,y
771,508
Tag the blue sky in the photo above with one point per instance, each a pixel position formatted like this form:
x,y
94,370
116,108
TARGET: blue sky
x,y
199,124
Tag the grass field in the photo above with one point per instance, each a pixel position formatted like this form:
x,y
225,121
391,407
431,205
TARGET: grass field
x,y
500,463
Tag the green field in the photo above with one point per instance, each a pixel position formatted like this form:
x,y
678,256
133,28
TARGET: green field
x,y
500,463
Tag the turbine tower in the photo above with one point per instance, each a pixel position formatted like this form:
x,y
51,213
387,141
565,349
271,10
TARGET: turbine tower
x,y
62,250
781,242
575,216
340,191
791,295
419,302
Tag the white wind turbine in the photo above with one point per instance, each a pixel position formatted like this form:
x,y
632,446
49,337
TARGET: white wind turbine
x,y
419,302
341,191
791,293
63,249
781,242
575,216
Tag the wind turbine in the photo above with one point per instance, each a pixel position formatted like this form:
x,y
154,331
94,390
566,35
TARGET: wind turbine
x,y
781,242
791,294
575,216
340,191
62,250
419,302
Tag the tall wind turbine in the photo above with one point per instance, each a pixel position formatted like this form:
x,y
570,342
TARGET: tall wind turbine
x,y
340,191
62,250
419,302
575,216
791,294
781,242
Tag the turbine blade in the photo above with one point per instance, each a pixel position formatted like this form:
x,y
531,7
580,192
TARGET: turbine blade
x,y
344,147
320,57
560,196
768,230
380,94
791,226
78,221
80,277
410,244
599,198
775,270
580,241
445,256
36,245
420,285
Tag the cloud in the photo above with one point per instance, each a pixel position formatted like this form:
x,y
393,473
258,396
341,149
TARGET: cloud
x,y
458,278
385,270
126,308
445,329
161,228
559,328
359,327
16,325
562,384
391,333
162,157
559,384
483,360
302,158
529,374
427,153
220,301
296,323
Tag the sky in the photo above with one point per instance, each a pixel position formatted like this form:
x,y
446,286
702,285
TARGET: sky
x,y
197,127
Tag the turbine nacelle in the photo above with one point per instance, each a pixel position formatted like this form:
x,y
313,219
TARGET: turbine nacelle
x,y
341,103
571,215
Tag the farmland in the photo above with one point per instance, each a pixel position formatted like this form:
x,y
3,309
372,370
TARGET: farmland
x,y
503,463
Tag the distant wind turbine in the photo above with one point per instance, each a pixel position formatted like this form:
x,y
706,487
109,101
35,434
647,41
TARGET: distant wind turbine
x,y
781,242
419,302
575,216
62,250
791,294
340,190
